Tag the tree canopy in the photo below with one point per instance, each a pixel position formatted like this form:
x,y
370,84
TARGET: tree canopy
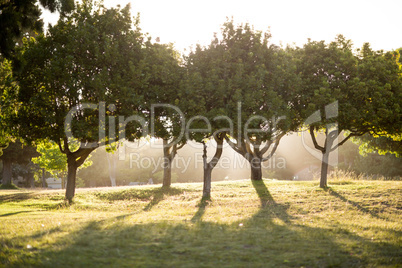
x,y
20,17
89,58
164,79
345,92
251,82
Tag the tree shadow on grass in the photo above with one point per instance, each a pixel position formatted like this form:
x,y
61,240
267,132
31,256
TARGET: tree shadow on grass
x,y
21,197
269,238
154,195
14,213
157,195
263,193
115,243
204,202
16,197
353,203
268,204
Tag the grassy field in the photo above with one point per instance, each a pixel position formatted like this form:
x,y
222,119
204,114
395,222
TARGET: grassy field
x,y
245,224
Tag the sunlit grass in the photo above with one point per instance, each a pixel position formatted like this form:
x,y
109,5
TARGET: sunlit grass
x,y
260,224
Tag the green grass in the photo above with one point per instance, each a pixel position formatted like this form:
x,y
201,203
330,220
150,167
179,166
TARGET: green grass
x,y
245,224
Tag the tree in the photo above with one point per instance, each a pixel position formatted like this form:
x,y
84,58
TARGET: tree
x,y
263,83
209,166
203,99
252,83
89,58
8,87
51,159
54,161
342,92
15,153
167,122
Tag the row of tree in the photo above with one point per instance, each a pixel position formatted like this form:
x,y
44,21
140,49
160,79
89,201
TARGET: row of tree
x,y
96,77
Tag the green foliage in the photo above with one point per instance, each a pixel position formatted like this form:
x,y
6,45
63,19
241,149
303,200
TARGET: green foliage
x,y
366,86
84,53
19,17
242,67
380,75
163,77
90,58
51,159
8,89
17,152
390,144
346,92
244,86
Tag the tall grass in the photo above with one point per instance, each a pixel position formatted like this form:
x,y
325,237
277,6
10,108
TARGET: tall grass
x,y
340,175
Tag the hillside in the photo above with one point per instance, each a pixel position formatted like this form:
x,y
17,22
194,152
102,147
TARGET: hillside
x,y
261,224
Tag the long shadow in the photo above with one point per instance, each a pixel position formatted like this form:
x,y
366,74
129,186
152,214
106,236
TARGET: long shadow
x,y
259,242
263,193
268,204
15,197
155,195
159,194
110,243
14,213
201,209
353,203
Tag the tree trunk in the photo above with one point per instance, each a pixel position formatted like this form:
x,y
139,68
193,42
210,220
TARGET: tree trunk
x,y
324,169
167,171
329,141
31,180
7,172
206,191
71,177
112,168
208,167
169,152
326,150
43,178
256,172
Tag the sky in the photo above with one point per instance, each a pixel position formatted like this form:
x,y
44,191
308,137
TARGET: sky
x,y
186,23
